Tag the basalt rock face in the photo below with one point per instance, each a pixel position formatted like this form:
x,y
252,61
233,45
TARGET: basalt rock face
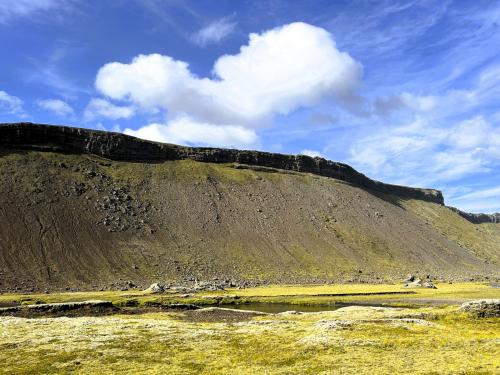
x,y
478,218
121,147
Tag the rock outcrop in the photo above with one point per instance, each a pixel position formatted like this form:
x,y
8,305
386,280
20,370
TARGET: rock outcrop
x,y
419,283
117,146
484,308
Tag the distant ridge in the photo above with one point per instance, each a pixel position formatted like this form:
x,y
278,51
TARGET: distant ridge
x,y
478,218
117,146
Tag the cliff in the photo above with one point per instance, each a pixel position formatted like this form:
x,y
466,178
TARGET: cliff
x,y
479,218
117,146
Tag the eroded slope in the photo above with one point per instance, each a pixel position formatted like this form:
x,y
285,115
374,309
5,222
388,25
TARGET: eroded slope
x,y
81,221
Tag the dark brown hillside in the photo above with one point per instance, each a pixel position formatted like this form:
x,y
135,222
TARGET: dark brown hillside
x,y
72,219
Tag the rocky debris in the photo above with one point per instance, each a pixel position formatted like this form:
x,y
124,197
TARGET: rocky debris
x,y
418,283
157,288
206,287
334,324
485,308
78,189
130,285
123,147
121,211
199,286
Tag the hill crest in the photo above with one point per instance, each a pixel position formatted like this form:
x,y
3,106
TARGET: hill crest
x,y
121,147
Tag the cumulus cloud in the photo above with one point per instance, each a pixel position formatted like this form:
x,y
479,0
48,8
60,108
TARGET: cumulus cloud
x,y
98,108
185,131
277,72
10,104
214,32
56,106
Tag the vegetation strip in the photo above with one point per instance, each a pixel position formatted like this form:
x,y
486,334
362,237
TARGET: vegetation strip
x,y
337,294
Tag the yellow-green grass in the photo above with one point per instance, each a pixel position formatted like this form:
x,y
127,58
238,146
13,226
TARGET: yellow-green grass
x,y
445,293
482,239
360,340
453,293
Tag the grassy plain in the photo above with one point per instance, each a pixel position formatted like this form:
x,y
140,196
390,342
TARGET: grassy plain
x,y
428,338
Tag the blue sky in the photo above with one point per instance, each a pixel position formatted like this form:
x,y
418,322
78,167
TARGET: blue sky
x,y
406,92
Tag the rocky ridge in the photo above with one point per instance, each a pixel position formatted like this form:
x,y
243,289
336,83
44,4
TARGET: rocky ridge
x,y
117,146
478,218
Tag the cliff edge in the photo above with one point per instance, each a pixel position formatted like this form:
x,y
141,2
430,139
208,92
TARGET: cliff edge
x,y
121,147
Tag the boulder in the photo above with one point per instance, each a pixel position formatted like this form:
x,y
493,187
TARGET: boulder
x,y
418,283
156,288
410,278
429,284
485,308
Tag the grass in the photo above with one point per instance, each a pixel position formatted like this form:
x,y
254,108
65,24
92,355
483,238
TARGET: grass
x,y
446,293
482,239
360,340
190,170
427,339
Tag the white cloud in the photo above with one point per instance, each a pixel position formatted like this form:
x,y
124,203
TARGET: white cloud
x,y
184,130
481,194
473,133
311,153
418,103
10,104
484,200
57,106
24,8
102,108
214,32
387,105
423,154
277,72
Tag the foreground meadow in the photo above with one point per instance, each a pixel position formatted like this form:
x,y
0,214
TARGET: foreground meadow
x,y
431,339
